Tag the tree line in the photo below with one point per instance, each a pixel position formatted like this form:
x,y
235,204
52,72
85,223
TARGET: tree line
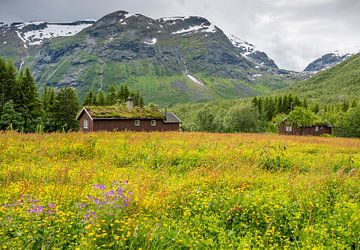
x,y
263,114
22,109
113,96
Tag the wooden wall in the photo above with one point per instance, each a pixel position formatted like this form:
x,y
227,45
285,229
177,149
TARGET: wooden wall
x,y
305,131
125,124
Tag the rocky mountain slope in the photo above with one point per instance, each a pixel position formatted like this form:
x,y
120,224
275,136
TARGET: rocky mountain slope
x,y
170,60
19,39
333,85
327,61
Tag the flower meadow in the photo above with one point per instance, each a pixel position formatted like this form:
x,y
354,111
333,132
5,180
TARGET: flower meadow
x,y
178,191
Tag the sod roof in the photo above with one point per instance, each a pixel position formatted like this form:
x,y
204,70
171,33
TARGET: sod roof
x,y
122,112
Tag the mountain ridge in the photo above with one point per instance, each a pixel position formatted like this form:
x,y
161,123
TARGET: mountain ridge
x,y
188,56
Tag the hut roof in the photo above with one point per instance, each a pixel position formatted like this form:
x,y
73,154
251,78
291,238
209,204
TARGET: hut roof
x,y
171,118
121,112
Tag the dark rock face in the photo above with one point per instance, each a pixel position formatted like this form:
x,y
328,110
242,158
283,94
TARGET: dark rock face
x,y
327,61
263,59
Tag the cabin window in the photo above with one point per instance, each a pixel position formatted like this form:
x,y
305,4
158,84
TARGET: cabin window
x,y
317,129
137,123
86,124
288,128
153,123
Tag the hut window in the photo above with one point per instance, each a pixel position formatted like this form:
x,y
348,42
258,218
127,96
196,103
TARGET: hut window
x,y
153,123
317,129
288,128
86,124
137,123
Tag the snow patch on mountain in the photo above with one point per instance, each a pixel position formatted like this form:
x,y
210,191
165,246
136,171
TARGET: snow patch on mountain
x,y
173,20
151,41
246,47
129,15
37,36
198,28
195,80
21,38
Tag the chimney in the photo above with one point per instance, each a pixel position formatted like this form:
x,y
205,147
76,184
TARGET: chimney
x,y
165,113
130,104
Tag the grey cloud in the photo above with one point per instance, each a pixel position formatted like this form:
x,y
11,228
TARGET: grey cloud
x,y
292,32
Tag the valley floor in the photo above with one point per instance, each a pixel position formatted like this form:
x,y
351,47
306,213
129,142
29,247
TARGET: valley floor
x,y
178,190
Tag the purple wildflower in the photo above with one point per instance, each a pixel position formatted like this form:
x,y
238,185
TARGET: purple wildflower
x,y
36,209
120,190
90,214
126,181
81,205
110,193
99,186
51,205
126,202
113,183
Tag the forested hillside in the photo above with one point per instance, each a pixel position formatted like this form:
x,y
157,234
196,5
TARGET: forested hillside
x,y
263,114
334,85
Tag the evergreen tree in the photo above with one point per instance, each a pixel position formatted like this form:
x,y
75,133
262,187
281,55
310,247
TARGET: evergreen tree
x,y
90,99
279,105
3,73
47,101
285,106
297,102
27,102
101,99
111,97
136,98
270,109
141,102
10,119
305,104
260,105
255,102
65,109
123,93
316,108
8,85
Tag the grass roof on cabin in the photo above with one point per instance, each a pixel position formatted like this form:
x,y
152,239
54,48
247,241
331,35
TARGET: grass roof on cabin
x,y
121,111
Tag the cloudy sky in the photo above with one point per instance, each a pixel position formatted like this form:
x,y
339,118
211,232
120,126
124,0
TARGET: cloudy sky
x,y
292,32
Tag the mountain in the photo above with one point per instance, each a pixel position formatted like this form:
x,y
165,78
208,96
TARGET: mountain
x,y
169,60
327,61
18,39
333,85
